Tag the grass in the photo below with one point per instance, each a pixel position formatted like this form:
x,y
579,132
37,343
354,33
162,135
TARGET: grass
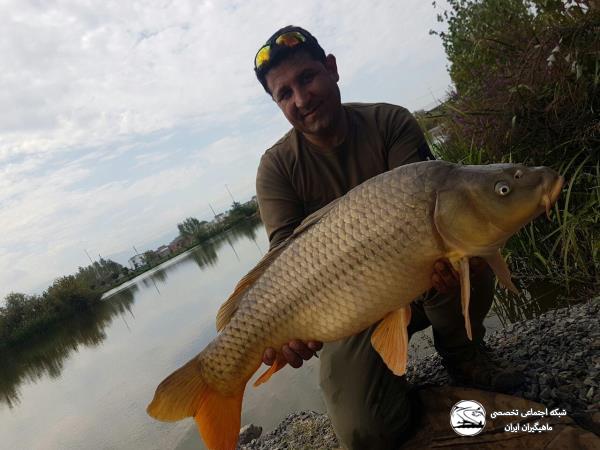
x,y
565,250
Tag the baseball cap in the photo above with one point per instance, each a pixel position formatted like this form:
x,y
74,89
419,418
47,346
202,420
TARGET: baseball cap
x,y
281,45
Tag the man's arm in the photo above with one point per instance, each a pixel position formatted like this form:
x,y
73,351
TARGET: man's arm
x,y
281,211
280,208
404,139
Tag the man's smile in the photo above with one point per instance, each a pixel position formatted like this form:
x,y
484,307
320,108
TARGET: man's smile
x,y
311,112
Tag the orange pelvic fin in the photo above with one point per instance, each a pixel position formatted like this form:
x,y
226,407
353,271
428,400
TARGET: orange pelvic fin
x,y
390,339
185,393
279,364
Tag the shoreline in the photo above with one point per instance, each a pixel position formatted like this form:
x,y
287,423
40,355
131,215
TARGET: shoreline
x,y
558,351
126,281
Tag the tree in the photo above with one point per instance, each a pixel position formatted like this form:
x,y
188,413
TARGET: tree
x,y
526,78
194,229
99,273
150,257
68,294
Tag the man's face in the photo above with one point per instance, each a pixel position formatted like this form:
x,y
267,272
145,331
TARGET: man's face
x,y
306,91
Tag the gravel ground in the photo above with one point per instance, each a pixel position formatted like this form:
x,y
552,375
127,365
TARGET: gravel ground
x,y
559,352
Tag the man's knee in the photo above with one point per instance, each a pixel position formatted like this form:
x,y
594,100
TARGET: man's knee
x,y
439,306
368,405
380,426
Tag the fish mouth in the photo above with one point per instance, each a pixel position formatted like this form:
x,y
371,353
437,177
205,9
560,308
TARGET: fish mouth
x,y
549,198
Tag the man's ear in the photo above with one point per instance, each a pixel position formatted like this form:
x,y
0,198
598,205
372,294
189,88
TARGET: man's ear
x,y
331,66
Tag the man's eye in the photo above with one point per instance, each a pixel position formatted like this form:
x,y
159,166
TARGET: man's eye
x,y
285,95
308,77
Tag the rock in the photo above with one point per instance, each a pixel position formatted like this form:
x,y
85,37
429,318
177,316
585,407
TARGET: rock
x,y
248,433
557,351
590,393
545,394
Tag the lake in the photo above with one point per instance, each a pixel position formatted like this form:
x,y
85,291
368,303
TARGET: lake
x,y
86,386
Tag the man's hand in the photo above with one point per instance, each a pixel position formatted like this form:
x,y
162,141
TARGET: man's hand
x,y
294,352
445,279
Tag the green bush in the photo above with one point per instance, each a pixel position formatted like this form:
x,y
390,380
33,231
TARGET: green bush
x,y
526,76
24,316
69,294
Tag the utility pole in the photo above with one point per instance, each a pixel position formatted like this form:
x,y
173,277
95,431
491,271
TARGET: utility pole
x,y
89,257
213,211
133,266
232,199
92,265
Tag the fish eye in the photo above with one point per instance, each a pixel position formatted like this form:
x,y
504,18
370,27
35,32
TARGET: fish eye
x,y
502,188
518,174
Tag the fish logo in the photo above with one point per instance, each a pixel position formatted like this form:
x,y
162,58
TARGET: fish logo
x,y
467,418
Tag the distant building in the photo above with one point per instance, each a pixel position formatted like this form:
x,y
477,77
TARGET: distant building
x,y
163,251
179,243
220,217
136,261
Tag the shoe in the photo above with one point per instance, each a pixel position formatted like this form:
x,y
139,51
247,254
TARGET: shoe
x,y
483,372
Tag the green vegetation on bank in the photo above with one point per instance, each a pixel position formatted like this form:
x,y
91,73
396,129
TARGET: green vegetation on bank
x,y
194,232
527,79
26,316
23,316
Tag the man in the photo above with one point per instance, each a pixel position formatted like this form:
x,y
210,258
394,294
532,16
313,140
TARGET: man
x,y
332,148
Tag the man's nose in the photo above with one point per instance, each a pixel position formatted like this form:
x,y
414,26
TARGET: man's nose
x,y
302,97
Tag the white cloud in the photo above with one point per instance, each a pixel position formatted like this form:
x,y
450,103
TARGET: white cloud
x,y
102,101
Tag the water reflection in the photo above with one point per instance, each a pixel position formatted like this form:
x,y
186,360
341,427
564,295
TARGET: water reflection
x,y
159,275
47,354
205,255
535,298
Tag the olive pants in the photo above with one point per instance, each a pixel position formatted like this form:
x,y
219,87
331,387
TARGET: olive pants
x,y
370,407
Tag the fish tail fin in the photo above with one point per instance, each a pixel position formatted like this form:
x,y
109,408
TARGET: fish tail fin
x,y
219,419
185,393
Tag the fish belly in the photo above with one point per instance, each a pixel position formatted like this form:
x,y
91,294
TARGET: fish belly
x,y
372,255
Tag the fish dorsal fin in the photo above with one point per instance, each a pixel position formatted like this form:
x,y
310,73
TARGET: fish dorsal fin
x,y
230,306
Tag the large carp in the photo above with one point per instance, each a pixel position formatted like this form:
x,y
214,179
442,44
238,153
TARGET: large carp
x,y
363,258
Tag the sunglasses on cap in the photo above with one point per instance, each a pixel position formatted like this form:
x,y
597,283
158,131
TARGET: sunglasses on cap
x,y
289,39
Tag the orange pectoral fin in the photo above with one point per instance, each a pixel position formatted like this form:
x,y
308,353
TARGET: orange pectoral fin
x,y
465,293
501,270
390,339
279,364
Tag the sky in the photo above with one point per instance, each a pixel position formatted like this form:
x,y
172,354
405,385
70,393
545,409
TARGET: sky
x,y
120,119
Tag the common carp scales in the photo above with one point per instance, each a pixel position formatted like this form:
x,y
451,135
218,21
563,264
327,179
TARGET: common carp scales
x,y
362,259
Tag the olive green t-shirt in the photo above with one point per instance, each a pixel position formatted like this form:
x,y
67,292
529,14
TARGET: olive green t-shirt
x,y
295,179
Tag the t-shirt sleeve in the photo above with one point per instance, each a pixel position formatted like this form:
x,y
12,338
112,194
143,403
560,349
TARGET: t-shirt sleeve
x,y
405,141
280,208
